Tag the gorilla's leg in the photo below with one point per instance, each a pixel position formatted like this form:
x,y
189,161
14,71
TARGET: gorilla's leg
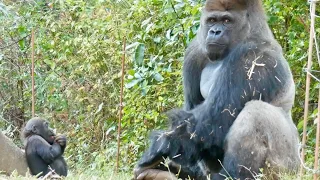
x,y
261,135
60,166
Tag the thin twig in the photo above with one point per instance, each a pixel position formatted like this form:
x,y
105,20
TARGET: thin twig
x,y
304,166
254,64
121,99
314,77
316,154
175,12
224,169
13,43
306,103
32,73
248,169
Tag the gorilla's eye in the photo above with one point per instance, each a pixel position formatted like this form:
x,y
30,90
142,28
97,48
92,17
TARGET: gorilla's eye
x,y
226,20
212,20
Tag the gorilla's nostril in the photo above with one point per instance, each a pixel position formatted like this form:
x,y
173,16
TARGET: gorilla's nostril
x,y
215,32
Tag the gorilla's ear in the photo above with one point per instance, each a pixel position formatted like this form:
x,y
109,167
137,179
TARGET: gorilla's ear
x,y
34,129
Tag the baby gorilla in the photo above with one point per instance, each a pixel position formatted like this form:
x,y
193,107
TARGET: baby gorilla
x,y
43,148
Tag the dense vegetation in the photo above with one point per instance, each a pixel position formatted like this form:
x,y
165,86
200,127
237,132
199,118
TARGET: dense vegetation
x,y
78,51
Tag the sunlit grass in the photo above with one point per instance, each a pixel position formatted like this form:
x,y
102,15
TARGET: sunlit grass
x,y
95,174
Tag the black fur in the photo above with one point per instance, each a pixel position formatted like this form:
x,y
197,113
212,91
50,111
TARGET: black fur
x,y
209,122
198,133
234,89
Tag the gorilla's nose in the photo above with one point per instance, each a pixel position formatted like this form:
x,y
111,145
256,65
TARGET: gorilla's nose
x,y
215,32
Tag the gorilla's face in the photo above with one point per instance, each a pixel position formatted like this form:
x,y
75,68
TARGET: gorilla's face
x,y
46,132
41,127
222,30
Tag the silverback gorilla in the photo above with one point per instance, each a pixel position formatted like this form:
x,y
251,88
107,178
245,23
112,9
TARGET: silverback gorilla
x,y
44,148
239,92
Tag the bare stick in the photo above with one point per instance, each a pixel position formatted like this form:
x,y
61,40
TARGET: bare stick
x,y
316,154
32,73
121,98
306,102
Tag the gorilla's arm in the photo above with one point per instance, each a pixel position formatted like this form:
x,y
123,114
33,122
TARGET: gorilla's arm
x,y
62,141
192,67
46,151
169,144
174,144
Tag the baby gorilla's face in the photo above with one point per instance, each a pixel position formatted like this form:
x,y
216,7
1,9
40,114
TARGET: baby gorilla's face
x,y
47,133
52,138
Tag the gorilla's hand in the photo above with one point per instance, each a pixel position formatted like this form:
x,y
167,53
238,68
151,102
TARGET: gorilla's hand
x,y
155,174
181,120
61,140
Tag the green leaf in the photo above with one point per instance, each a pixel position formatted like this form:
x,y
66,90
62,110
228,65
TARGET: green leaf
x,y
145,22
132,45
149,27
168,34
22,44
179,6
158,77
157,39
131,72
99,108
132,83
139,54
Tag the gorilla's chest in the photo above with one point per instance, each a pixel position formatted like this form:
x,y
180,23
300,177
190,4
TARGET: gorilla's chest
x,y
209,76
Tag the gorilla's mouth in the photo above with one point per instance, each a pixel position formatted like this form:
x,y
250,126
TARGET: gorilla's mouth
x,y
52,136
215,44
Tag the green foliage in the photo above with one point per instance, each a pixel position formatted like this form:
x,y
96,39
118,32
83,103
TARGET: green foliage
x,y
156,44
78,52
79,47
290,25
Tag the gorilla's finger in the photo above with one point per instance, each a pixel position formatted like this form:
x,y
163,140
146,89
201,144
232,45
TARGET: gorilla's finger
x,y
61,136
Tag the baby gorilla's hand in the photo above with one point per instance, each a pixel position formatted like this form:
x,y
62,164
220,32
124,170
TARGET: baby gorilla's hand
x,y
61,140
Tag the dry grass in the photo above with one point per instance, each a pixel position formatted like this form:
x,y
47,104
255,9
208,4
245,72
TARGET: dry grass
x,y
97,174
87,175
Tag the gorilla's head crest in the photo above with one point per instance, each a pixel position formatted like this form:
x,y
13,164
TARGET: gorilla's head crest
x,y
226,5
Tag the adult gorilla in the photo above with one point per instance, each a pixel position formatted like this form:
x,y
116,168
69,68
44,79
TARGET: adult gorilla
x,y
44,148
239,92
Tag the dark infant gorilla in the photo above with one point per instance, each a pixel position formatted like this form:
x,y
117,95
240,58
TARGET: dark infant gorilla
x,y
239,92
43,148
